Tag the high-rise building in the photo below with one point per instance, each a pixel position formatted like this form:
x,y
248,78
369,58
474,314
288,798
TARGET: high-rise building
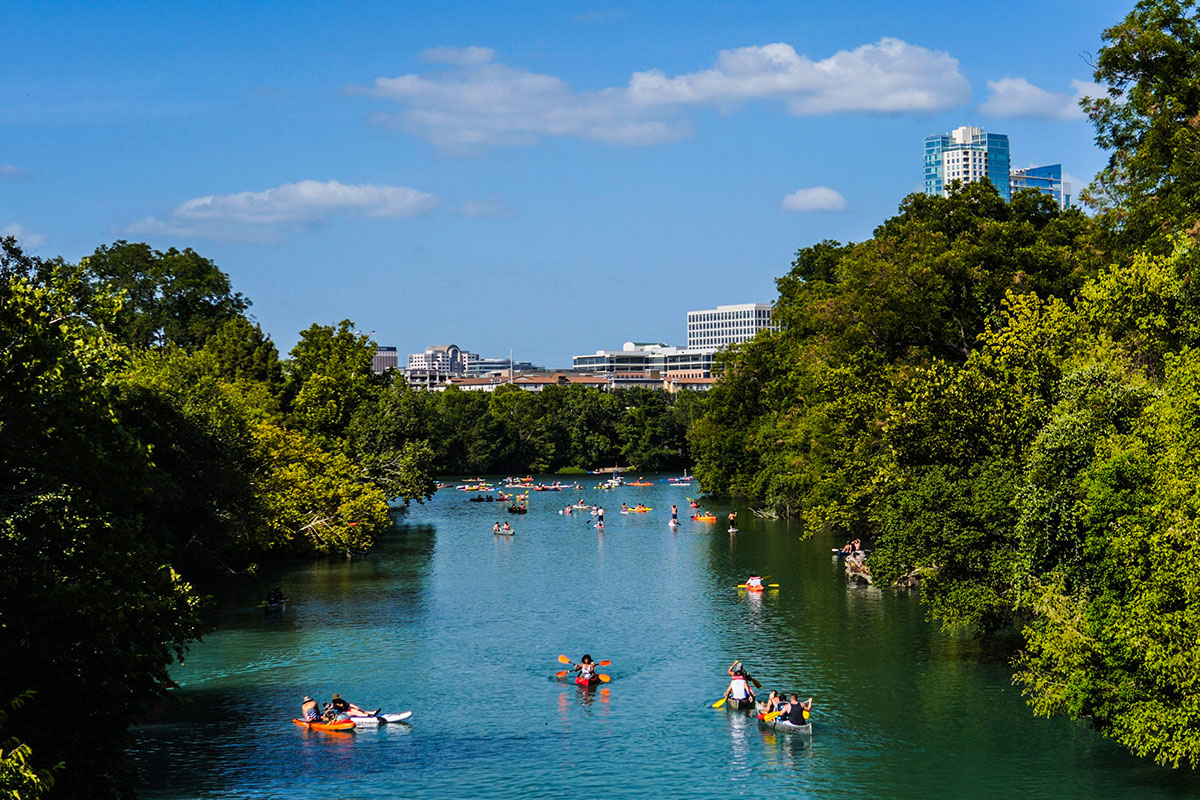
x,y
966,154
1047,180
725,325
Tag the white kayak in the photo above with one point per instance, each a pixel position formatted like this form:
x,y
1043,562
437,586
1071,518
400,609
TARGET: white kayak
x,y
372,720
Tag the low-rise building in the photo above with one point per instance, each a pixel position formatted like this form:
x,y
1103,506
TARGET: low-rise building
x,y
643,357
386,358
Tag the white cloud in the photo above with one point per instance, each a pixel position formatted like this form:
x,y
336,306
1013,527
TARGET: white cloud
x,y
817,198
12,173
26,238
292,207
888,76
1017,97
481,102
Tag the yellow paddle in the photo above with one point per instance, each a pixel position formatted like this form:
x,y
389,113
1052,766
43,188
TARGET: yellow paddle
x,y
720,702
771,716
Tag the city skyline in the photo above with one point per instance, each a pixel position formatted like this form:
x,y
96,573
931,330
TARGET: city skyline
x,y
541,177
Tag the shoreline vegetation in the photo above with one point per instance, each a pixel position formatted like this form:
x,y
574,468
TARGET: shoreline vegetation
x,y
1002,396
1005,398
152,438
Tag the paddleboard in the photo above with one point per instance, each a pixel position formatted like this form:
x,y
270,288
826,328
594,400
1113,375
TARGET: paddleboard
x,y
379,719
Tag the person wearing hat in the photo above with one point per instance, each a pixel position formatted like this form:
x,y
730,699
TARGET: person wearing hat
x,y
309,710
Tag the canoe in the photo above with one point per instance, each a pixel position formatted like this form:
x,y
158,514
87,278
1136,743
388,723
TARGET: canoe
x,y
739,705
783,726
374,720
340,725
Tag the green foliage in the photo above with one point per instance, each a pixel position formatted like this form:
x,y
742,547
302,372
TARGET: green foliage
x,y
329,376
19,779
176,297
75,543
1148,121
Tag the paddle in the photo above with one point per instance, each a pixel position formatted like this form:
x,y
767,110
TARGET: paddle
x,y
603,678
720,702
771,716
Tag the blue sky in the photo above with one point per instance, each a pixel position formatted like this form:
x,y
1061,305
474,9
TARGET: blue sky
x,y
553,178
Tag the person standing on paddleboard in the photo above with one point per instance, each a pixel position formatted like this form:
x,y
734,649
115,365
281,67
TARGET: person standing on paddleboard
x,y
674,513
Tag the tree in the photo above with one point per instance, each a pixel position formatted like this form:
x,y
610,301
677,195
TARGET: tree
x,y
329,375
177,297
1147,120
75,544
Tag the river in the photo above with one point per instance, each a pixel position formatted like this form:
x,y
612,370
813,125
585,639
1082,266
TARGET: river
x,y
464,628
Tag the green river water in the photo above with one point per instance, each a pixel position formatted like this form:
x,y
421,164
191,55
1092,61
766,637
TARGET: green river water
x,y
464,629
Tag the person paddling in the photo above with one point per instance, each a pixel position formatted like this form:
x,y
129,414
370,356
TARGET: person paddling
x,y
794,711
739,685
674,513
587,671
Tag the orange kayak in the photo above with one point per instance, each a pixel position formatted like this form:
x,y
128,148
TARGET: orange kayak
x,y
698,518
341,725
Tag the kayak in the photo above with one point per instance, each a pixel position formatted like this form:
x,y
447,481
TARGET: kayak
x,y
339,725
372,720
642,483
587,683
758,588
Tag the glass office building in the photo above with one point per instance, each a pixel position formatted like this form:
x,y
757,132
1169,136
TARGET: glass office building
x,y
1047,180
966,154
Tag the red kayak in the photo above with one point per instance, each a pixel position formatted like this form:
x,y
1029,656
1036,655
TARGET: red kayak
x,y
340,725
587,683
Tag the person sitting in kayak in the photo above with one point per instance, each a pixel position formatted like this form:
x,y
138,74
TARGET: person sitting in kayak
x,y
794,711
275,597
496,527
586,669
754,582
309,710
